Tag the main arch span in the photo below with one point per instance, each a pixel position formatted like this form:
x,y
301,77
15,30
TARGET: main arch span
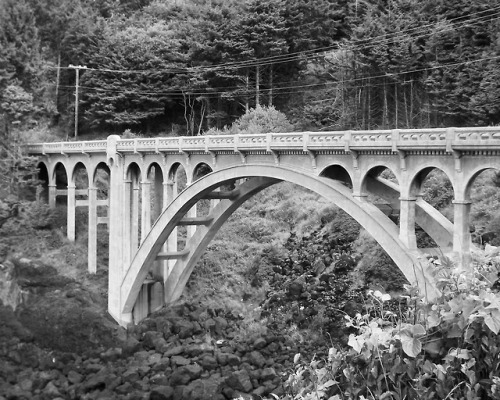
x,y
146,190
255,178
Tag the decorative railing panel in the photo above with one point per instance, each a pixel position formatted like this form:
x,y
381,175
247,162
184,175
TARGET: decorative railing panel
x,y
446,139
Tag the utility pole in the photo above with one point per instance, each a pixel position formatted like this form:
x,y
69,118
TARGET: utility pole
x,y
77,69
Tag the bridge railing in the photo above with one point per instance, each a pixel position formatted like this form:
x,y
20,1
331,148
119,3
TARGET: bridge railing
x,y
449,139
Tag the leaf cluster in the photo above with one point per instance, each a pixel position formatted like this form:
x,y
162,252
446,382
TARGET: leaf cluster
x,y
448,349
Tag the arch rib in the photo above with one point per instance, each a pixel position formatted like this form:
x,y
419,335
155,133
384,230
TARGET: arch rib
x,y
368,215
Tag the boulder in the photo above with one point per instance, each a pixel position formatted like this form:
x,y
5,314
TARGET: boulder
x,y
161,392
206,389
240,381
208,362
179,360
74,377
153,340
51,391
256,358
185,374
268,374
259,343
174,351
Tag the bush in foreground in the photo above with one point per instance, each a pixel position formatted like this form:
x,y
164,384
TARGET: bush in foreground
x,y
446,350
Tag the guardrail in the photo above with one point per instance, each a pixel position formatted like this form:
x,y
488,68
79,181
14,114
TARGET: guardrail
x,y
448,139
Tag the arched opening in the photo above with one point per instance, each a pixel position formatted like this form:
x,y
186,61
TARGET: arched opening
x,y
204,206
81,181
155,178
179,180
133,197
382,187
338,173
43,178
434,187
100,182
60,179
483,191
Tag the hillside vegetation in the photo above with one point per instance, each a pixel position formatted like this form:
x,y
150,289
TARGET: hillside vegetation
x,y
186,66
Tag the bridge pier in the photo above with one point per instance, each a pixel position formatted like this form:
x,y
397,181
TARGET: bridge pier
x,y
145,208
407,222
92,226
461,232
52,195
71,212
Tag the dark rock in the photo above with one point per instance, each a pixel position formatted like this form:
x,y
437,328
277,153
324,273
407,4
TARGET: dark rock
x,y
112,354
220,325
131,346
153,340
154,359
130,375
159,379
124,388
74,377
259,343
174,351
259,392
183,328
209,325
208,362
179,360
51,391
93,382
206,389
295,289
161,393
185,374
240,380
233,360
164,326
195,350
268,374
256,358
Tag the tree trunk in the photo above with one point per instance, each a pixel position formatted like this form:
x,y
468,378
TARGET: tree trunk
x,y
247,86
58,79
257,85
271,85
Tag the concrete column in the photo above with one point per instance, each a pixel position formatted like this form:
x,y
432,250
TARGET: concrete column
x,y
191,229
145,209
52,195
461,232
134,235
92,239
170,193
71,212
192,213
127,221
118,246
141,307
407,222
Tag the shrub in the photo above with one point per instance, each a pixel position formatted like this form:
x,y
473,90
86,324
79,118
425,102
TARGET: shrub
x,y
257,120
446,350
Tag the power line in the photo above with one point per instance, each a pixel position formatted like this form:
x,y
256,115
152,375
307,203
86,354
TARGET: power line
x,y
312,86
362,44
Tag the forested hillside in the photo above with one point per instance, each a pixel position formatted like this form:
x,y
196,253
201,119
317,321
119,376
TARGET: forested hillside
x,y
185,66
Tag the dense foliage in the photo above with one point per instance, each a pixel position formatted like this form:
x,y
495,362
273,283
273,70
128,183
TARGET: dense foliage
x,y
449,349
188,66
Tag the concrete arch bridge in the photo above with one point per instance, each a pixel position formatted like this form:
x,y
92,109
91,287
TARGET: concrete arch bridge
x,y
136,188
